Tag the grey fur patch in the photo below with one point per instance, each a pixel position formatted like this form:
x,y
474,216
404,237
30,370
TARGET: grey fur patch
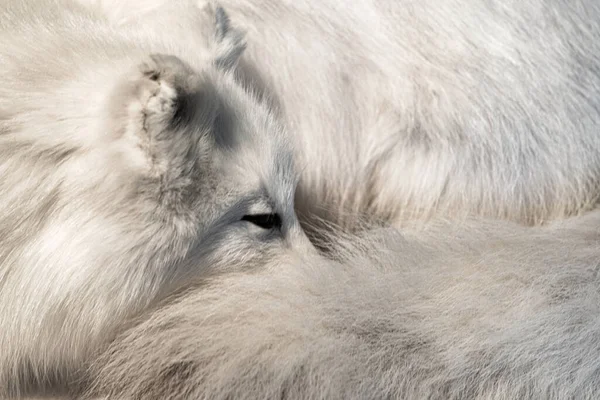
x,y
230,41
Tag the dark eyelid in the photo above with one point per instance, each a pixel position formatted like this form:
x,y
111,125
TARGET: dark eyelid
x,y
265,221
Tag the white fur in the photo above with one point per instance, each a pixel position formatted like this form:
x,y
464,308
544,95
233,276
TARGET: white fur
x,y
398,110
128,162
405,110
477,311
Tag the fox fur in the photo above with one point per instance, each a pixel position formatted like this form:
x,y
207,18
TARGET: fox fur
x,y
149,153
130,162
475,311
407,110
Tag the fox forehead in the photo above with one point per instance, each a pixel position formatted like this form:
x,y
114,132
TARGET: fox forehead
x,y
255,146
265,167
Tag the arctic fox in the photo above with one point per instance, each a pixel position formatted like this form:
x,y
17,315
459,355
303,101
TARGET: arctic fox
x,y
130,162
403,110
139,154
478,311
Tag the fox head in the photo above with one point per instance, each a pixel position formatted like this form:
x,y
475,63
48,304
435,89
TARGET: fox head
x,y
132,176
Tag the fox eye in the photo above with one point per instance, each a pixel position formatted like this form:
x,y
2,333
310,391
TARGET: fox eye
x,y
264,221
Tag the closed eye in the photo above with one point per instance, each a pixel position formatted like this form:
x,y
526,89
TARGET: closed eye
x,y
264,221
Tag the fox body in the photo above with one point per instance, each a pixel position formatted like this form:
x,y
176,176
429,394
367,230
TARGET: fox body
x,y
469,311
403,111
144,152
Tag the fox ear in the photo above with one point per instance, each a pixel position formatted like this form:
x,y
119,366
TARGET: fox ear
x,y
230,42
178,96
159,98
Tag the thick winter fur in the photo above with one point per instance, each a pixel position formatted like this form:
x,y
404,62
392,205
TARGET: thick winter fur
x,y
477,311
130,162
133,162
409,109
